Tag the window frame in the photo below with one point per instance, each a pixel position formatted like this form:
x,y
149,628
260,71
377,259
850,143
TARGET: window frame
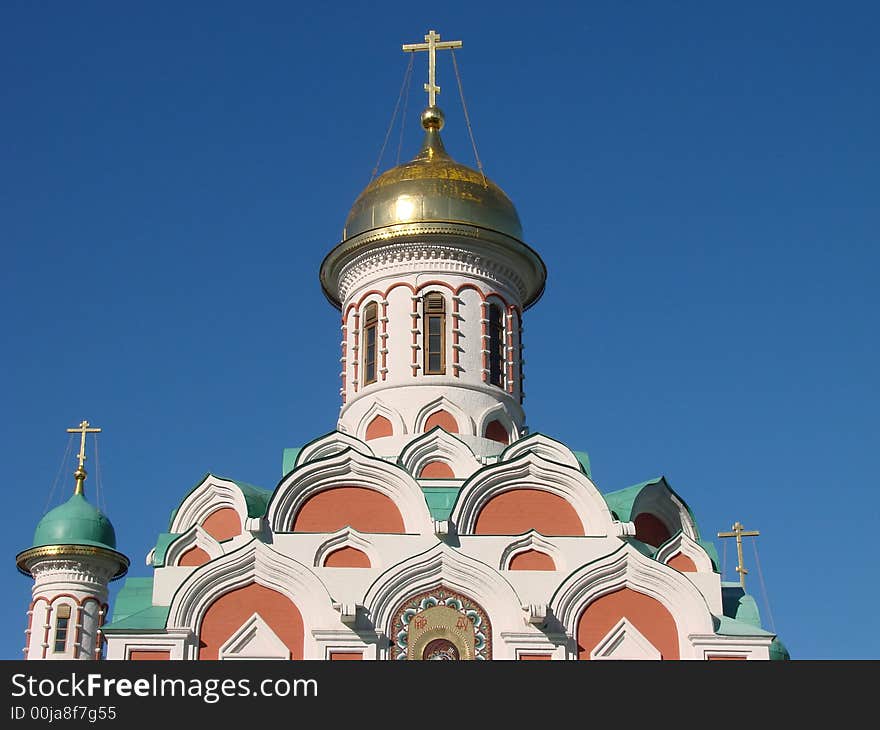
x,y
371,323
62,613
496,347
429,315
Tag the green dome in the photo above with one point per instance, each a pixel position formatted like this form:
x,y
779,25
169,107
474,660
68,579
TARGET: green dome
x,y
778,652
76,522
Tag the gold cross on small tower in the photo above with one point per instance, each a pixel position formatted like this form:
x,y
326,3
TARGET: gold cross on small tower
x,y
433,43
739,532
80,473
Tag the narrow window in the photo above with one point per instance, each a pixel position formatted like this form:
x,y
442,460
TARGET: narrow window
x,y
435,335
370,322
496,345
62,621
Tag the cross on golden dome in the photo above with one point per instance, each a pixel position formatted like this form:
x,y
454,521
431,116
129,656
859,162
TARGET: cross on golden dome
x,y
431,46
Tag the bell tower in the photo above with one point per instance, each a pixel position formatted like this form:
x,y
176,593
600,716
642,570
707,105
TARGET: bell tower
x,y
432,277
72,560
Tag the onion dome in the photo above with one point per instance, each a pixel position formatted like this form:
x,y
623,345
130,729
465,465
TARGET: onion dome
x,y
433,195
74,529
433,187
76,522
778,651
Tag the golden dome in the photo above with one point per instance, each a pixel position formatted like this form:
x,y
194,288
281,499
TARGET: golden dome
x,y
432,187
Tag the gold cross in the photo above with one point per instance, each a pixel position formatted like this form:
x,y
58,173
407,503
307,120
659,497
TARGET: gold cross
x,y
431,47
739,532
80,473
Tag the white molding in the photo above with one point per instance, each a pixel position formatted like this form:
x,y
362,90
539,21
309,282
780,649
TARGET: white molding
x,y
659,500
349,469
531,471
443,565
442,403
499,412
195,536
681,544
625,641
211,494
532,540
347,537
333,443
254,639
253,563
438,445
629,568
543,446
378,408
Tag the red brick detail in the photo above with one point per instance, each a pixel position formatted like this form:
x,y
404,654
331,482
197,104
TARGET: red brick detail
x,y
363,509
378,428
222,524
347,557
650,529
346,656
443,419
194,556
149,655
520,510
535,657
496,432
531,560
356,354
647,614
227,614
384,339
682,563
436,470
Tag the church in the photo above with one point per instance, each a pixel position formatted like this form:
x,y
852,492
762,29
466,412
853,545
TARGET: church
x,y
431,523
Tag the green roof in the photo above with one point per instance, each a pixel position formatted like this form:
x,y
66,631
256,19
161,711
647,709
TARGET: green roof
x,y
150,619
726,626
778,651
621,501
135,595
133,609
584,458
162,542
288,460
256,498
440,501
76,522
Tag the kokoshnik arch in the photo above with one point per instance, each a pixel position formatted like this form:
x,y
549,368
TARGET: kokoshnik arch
x,y
431,524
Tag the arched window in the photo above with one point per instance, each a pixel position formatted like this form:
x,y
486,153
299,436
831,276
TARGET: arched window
x,y
496,345
435,334
371,320
62,622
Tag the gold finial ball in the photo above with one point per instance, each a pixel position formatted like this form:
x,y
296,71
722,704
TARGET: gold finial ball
x,y
432,118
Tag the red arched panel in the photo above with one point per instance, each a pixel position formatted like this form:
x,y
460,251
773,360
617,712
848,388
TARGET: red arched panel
x,y
443,419
347,557
378,428
194,556
520,510
496,431
647,614
436,470
531,560
682,563
363,509
222,524
227,614
650,529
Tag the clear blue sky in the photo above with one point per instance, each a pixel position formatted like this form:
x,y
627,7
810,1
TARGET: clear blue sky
x,y
700,178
